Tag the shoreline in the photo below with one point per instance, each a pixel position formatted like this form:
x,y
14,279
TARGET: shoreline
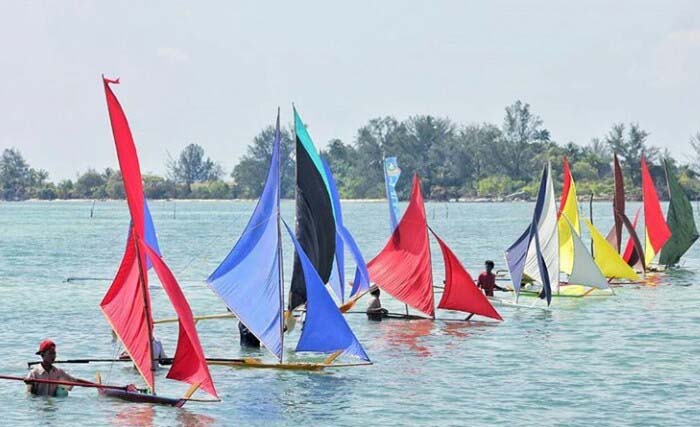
x,y
382,200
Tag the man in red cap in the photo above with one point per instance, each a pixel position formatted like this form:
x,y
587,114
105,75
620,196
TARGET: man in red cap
x,y
46,371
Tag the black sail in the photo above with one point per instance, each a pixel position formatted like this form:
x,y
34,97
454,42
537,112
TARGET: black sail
x,y
315,221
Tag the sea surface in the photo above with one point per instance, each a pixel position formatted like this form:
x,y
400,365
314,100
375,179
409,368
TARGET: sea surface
x,y
630,359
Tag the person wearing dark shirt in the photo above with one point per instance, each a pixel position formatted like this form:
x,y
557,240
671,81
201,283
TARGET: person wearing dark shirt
x,y
487,280
248,339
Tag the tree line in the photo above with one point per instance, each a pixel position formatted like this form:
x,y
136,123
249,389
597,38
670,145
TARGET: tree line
x,y
454,161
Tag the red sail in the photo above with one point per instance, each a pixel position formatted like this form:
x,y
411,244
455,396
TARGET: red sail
x,y
128,160
189,363
618,206
657,231
460,291
565,188
632,255
126,312
403,267
127,304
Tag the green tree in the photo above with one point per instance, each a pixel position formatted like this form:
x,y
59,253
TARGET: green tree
x,y
156,187
250,173
695,160
16,177
191,167
522,132
631,146
90,185
64,189
114,186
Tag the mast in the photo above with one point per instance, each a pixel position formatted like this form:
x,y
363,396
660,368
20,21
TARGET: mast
x,y
280,258
147,307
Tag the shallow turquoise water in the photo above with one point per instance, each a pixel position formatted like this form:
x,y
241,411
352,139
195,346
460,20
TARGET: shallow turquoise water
x,y
626,360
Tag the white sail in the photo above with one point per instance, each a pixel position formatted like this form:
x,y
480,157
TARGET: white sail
x,y
548,233
585,271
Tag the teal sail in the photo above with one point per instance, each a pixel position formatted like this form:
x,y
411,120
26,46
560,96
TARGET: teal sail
x,y
325,329
680,221
315,221
249,280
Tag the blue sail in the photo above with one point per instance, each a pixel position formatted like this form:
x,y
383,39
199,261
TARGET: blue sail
x,y
249,279
392,172
361,282
516,254
343,238
337,279
149,232
325,329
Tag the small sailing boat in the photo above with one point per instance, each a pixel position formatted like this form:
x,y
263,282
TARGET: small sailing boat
x,y
536,252
680,220
127,304
404,269
584,276
656,231
250,282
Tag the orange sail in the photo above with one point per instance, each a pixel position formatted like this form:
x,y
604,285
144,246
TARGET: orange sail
x,y
461,293
127,304
403,267
657,231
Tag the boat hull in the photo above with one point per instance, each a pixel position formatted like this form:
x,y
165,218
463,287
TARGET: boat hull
x,y
298,366
137,397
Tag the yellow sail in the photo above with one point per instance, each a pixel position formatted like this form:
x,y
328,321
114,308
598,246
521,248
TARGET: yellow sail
x,y
606,257
568,210
649,253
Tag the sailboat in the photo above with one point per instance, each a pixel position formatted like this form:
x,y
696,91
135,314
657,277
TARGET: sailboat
x,y
680,220
404,269
584,276
250,281
536,252
656,231
127,304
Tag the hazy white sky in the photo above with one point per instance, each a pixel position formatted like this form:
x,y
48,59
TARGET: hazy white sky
x,y
214,72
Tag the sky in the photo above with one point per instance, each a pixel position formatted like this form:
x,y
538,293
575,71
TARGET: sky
x,y
214,72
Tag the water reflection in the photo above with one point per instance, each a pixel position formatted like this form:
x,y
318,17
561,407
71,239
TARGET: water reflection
x,y
186,418
273,397
136,415
406,334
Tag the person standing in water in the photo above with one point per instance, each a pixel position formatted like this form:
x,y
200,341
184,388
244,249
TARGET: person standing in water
x,y
487,280
46,371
